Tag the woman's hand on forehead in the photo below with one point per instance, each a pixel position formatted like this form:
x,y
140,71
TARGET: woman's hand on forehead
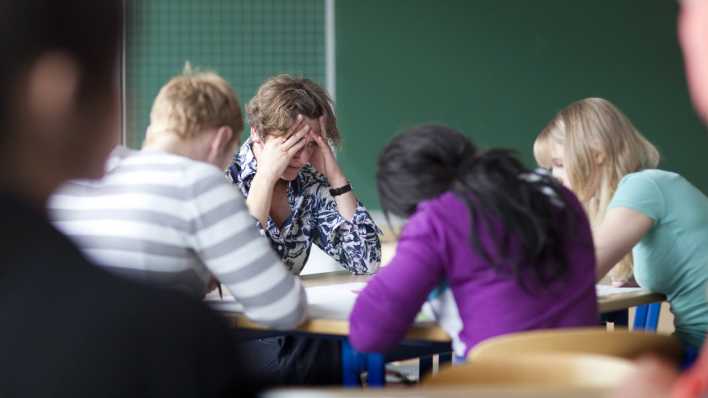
x,y
315,126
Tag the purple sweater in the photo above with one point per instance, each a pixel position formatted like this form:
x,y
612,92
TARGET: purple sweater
x,y
434,247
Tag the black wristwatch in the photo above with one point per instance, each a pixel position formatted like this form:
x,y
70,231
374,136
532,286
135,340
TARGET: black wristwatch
x,y
340,190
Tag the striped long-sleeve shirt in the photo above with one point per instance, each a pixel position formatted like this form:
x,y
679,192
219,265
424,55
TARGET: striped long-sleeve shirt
x,y
172,221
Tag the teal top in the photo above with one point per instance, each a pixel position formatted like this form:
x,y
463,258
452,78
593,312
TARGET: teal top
x,y
672,258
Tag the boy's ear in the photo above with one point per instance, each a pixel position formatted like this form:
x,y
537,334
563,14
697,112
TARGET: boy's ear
x,y
221,142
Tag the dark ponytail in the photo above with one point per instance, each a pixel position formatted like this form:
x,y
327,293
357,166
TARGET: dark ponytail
x,y
430,160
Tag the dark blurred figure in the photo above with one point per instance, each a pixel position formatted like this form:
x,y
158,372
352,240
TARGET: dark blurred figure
x,y
67,328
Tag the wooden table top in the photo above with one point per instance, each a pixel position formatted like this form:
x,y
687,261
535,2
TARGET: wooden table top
x,y
428,331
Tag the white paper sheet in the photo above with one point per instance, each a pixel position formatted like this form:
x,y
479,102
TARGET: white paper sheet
x,y
607,290
333,301
324,302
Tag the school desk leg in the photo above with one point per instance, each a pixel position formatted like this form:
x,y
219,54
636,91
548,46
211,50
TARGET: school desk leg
x,y
352,364
377,370
640,317
646,317
653,316
425,365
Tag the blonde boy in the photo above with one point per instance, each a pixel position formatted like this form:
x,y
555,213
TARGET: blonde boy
x,y
167,216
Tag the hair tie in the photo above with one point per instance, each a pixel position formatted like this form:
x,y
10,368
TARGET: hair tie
x,y
542,180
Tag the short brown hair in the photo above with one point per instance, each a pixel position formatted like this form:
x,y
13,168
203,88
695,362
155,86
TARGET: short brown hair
x,y
282,98
196,100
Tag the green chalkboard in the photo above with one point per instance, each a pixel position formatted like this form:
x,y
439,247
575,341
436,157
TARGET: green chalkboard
x,y
499,70
246,41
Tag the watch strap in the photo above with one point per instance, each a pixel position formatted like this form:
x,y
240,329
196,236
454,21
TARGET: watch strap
x,y
341,190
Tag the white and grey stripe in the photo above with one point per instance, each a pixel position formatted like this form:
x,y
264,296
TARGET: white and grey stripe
x,y
171,221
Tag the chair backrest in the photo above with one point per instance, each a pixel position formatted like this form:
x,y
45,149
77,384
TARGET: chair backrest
x,y
617,343
542,370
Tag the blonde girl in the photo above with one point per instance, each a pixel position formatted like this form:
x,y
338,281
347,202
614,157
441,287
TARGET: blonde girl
x,y
647,223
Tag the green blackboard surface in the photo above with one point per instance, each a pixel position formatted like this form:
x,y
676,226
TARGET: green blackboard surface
x,y
246,41
499,70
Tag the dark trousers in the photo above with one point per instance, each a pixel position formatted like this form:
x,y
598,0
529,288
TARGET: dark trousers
x,y
294,360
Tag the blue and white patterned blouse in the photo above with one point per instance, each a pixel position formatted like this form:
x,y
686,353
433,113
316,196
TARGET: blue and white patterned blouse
x,y
314,219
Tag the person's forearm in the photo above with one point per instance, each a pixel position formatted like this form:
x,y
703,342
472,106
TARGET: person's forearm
x,y
388,304
606,259
621,229
346,203
260,198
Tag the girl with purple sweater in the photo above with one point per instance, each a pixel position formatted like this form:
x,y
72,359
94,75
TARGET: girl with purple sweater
x,y
493,247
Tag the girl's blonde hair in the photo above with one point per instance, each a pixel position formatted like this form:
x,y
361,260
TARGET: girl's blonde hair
x,y
600,146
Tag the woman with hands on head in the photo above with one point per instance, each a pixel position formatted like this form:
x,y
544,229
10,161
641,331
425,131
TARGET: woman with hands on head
x,y
283,157
293,183
299,195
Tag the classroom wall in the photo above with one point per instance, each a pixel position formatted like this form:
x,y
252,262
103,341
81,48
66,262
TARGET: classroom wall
x,y
499,70
245,41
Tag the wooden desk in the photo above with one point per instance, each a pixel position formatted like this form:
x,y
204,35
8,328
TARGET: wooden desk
x,y
428,331
622,301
